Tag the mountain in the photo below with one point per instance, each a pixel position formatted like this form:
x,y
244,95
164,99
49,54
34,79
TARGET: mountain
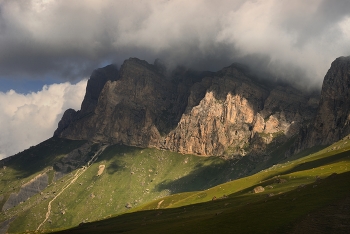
x,y
94,87
204,113
332,121
223,144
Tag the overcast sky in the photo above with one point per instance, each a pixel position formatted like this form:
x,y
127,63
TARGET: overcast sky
x,y
56,41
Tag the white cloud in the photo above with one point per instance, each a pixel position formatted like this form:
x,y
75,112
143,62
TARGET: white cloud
x,y
28,119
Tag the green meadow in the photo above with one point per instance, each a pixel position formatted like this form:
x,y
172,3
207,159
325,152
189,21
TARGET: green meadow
x,y
293,192
134,190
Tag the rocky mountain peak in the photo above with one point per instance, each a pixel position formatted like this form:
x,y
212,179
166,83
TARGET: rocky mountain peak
x,y
332,120
204,113
68,117
138,64
95,84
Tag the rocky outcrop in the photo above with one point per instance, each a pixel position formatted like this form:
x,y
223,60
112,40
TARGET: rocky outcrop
x,y
258,189
27,190
77,158
224,116
137,108
94,87
127,108
200,113
67,118
332,121
234,111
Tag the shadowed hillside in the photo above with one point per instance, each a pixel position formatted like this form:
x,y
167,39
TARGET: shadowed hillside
x,y
306,195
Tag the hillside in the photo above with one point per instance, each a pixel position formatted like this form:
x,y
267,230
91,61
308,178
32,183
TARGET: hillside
x,y
103,180
163,182
306,195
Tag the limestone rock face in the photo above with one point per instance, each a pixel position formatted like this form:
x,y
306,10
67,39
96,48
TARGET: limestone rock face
x,y
200,113
67,118
233,112
94,87
332,121
223,117
136,109
129,109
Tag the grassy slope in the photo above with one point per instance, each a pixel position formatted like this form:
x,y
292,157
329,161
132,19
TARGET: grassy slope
x,y
132,175
22,167
298,172
281,208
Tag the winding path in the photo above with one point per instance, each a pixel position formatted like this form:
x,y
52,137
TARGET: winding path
x,y
75,177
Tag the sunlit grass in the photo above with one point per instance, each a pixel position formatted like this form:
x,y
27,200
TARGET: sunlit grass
x,y
293,190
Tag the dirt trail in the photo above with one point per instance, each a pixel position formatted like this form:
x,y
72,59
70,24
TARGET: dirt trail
x,y
159,203
75,177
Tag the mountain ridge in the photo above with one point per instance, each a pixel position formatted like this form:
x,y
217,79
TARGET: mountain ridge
x,y
163,112
332,120
253,128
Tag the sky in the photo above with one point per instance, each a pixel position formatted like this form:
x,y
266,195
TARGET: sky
x,y
48,48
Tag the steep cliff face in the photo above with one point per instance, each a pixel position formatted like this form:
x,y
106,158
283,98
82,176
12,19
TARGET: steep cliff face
x,y
68,117
234,112
200,113
137,108
94,87
332,120
224,116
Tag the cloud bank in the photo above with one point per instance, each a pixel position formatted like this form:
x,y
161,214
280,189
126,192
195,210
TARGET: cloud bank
x,y
66,40
294,40
28,119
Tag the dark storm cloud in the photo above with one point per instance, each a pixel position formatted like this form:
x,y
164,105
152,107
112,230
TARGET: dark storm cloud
x,y
317,22
294,40
61,39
